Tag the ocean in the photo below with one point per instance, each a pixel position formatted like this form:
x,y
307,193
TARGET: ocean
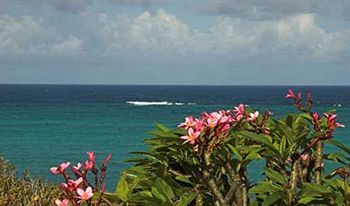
x,y
43,125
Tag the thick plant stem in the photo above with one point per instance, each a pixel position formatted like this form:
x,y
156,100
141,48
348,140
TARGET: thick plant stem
x,y
199,199
294,181
211,182
318,162
245,185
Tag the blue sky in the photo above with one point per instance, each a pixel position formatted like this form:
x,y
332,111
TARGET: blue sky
x,y
272,42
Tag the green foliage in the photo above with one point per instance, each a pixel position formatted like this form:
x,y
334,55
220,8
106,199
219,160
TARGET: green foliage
x,y
24,191
214,172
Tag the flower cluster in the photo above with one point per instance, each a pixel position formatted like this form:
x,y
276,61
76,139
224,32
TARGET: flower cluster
x,y
80,190
214,124
331,123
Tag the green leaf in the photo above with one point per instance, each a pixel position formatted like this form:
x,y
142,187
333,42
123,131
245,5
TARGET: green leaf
x,y
273,198
307,200
275,176
186,199
183,178
263,139
339,145
156,193
164,189
283,145
122,189
253,156
162,128
235,152
266,188
317,188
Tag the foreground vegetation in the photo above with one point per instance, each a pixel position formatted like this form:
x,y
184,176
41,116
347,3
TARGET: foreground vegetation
x,y
24,191
205,161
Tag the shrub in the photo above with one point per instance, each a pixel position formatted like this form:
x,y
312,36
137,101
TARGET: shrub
x,y
24,191
205,161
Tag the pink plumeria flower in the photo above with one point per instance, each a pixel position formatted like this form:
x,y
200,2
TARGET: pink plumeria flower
x,y
239,109
191,136
304,157
85,195
60,169
64,202
199,125
91,156
331,121
224,128
315,116
73,185
79,165
253,116
88,165
189,122
290,94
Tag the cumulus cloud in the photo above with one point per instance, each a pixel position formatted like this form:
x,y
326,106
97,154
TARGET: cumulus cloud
x,y
164,33
275,9
69,46
18,36
26,35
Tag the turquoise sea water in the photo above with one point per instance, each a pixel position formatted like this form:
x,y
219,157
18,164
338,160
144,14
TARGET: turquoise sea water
x,y
41,126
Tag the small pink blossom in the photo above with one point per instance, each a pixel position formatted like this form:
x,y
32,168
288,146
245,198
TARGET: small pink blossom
x,y
315,116
304,157
79,165
290,94
239,109
64,202
189,122
91,156
191,136
72,185
253,116
60,169
85,195
88,165
331,121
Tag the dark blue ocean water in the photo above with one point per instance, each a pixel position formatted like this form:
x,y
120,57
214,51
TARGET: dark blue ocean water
x,y
43,125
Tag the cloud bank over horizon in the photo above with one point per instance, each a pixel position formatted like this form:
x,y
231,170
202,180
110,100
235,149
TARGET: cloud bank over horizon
x,y
161,38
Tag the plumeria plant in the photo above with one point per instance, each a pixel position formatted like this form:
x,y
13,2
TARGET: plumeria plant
x,y
205,161
79,190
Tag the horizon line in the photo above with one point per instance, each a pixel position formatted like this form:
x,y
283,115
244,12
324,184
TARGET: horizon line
x,y
204,85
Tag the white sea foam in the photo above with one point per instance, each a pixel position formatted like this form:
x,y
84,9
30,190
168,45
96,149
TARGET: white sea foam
x,y
163,103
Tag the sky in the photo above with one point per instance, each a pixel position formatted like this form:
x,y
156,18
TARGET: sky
x,y
191,42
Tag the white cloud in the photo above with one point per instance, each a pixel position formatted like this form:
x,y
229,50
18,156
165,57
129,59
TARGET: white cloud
x,y
72,45
164,33
26,35
18,36
161,33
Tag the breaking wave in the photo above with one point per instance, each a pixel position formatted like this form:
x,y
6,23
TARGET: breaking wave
x,y
163,103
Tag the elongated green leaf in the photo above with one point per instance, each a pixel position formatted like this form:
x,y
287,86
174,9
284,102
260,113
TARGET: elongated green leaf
x,y
235,152
266,188
263,139
317,188
307,200
122,189
339,145
157,194
186,199
275,176
272,199
164,189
